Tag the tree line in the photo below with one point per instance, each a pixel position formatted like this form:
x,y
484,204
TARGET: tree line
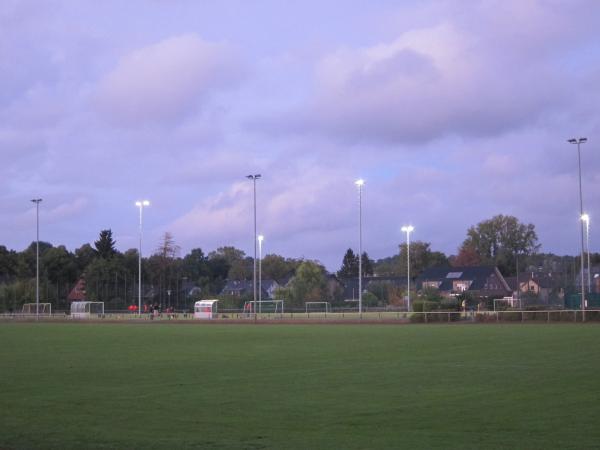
x,y
112,276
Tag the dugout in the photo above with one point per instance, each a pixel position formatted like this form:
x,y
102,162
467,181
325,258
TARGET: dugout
x,y
86,310
206,309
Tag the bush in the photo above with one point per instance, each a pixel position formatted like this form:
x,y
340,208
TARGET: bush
x,y
449,304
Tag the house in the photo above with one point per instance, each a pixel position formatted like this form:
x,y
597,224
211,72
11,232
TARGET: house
x,y
546,286
479,281
78,293
240,288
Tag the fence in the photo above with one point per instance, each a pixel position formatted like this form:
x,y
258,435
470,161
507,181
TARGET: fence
x,y
383,316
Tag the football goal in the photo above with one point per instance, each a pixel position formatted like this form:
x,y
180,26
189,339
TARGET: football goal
x,y
86,310
44,309
317,307
502,304
264,306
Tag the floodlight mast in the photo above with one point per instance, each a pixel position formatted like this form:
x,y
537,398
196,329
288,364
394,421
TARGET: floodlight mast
x,y
260,241
140,204
360,183
408,229
37,258
579,141
254,178
586,219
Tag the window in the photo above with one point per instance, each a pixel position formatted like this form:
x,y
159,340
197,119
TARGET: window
x,y
462,285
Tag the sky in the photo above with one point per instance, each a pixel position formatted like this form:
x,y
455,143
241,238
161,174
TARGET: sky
x,y
451,111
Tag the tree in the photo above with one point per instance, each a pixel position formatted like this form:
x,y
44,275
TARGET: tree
x,y
349,267
421,258
276,267
309,284
195,265
499,240
8,261
467,256
229,254
367,265
242,269
163,262
105,245
26,260
84,255
59,265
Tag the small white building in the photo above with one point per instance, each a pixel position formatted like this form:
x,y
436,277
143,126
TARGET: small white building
x,y
205,309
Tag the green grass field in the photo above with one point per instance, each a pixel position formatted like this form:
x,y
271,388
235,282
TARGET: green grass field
x,y
299,387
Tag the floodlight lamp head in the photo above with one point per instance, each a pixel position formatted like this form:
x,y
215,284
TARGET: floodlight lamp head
x,y
146,203
36,200
585,217
572,141
408,228
360,182
582,140
260,238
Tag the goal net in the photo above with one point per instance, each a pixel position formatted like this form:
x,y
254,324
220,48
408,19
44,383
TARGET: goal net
x,y
44,308
85,310
264,306
321,307
502,304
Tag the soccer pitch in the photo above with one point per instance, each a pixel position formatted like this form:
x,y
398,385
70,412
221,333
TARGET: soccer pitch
x,y
299,386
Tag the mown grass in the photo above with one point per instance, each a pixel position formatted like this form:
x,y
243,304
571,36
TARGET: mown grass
x,y
299,387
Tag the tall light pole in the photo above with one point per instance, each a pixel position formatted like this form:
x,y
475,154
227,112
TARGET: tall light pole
x,y
580,141
140,204
360,183
408,229
260,241
586,219
254,178
37,258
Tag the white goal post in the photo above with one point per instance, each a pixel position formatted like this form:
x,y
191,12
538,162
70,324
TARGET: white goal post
x,y
264,306
30,309
317,307
510,302
85,310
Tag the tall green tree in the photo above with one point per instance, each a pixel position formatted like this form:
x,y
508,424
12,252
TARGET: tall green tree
x,y
309,284
367,265
349,267
105,245
8,263
276,267
499,240
421,258
194,265
59,265
84,255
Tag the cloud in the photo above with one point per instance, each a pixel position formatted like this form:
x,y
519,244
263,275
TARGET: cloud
x,y
291,210
500,69
166,81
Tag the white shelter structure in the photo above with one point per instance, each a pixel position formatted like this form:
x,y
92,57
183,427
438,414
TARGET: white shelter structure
x,y
205,309
86,310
